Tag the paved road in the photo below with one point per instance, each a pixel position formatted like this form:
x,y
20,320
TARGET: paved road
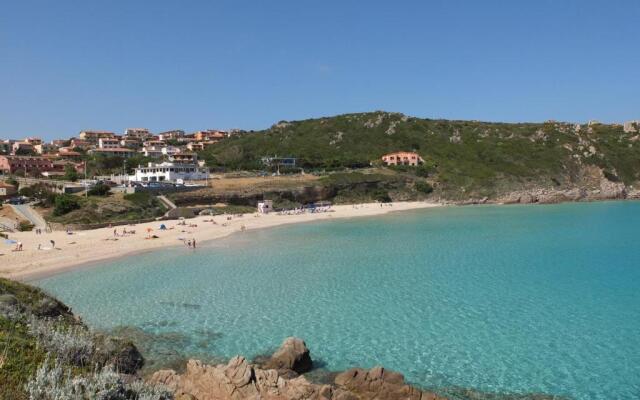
x,y
30,214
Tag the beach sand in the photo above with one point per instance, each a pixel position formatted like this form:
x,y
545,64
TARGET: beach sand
x,y
86,247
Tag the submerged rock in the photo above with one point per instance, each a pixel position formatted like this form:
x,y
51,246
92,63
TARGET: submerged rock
x,y
380,383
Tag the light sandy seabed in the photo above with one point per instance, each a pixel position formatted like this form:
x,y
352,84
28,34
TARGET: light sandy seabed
x,y
85,247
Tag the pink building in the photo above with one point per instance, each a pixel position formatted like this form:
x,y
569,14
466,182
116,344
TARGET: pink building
x,y
402,158
24,164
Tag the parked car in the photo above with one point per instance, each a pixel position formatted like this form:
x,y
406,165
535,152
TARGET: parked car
x,y
16,200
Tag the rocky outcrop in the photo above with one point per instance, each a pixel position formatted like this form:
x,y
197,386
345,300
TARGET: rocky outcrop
x,y
292,355
591,185
379,383
234,381
240,380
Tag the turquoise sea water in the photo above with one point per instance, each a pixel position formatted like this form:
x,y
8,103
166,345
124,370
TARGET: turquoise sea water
x,y
505,299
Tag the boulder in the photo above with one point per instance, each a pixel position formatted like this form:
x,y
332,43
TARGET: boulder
x,y
292,355
235,381
379,383
50,308
119,352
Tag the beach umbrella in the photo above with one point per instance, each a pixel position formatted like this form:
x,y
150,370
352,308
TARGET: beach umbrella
x,y
9,241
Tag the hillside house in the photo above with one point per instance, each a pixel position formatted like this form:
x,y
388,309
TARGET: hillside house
x,y
402,158
94,136
25,164
7,190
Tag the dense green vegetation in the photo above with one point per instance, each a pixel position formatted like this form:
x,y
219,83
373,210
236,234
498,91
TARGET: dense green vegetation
x,y
48,354
98,208
19,351
463,157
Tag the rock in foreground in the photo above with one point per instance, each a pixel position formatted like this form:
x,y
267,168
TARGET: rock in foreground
x,y
239,379
292,355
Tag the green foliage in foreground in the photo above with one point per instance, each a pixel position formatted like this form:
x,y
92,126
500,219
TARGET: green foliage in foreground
x,y
19,351
46,354
21,360
462,156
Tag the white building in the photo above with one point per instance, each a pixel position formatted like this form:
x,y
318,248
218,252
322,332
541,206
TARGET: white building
x,y
169,172
152,151
170,150
265,206
108,143
160,151
632,126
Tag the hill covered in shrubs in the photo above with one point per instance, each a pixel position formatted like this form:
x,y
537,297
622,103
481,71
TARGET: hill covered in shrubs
x,y
463,158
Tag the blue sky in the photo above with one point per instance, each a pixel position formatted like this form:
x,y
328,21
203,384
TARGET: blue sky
x,y
71,65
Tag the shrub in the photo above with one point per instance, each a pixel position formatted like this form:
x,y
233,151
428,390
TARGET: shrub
x,y
70,173
424,187
25,226
381,195
64,204
140,198
53,382
72,344
99,190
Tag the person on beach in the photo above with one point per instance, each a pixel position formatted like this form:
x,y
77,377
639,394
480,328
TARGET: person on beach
x,y
194,243
53,243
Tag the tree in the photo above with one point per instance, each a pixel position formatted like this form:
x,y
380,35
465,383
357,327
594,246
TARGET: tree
x,y
64,204
70,173
25,152
99,190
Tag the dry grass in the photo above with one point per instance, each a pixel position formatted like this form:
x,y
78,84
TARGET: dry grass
x,y
258,183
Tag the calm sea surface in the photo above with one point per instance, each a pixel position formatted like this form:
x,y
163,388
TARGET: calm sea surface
x,y
504,299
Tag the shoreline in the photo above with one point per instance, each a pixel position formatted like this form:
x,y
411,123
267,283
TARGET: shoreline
x,y
84,249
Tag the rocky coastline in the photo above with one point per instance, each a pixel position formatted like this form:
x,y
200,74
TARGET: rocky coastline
x,y
593,186
282,377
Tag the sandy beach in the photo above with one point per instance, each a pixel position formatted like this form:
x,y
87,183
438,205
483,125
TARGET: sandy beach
x,y
39,258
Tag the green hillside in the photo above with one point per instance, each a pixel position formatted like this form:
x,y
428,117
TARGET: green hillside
x,y
465,156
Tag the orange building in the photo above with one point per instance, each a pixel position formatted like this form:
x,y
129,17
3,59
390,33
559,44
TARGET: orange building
x,y
402,158
210,135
